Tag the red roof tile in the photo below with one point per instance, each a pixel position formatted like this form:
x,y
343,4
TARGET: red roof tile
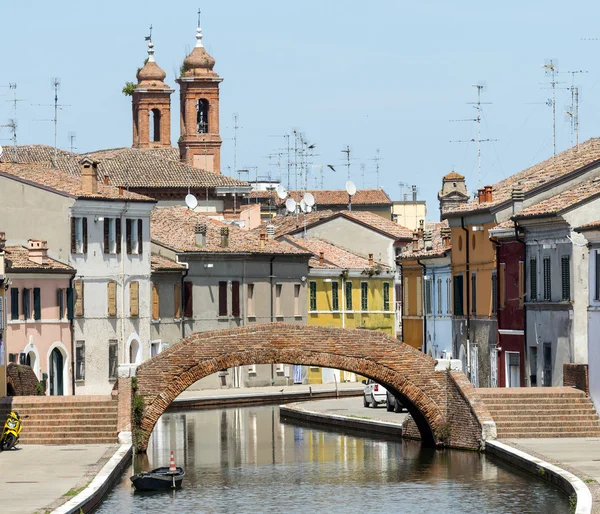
x,y
17,260
160,263
594,225
438,247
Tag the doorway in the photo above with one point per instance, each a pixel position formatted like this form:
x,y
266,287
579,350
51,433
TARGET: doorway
x,y
547,364
56,373
533,366
513,369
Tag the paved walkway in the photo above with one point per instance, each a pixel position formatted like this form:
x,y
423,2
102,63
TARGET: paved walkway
x,y
34,477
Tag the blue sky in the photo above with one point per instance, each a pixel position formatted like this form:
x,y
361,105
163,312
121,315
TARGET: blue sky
x,y
387,75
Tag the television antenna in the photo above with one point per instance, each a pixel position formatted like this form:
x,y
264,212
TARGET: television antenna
x,y
551,69
481,87
376,159
57,107
573,111
235,129
72,137
13,86
12,125
347,151
351,190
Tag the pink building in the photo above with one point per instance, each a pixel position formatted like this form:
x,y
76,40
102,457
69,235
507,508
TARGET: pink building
x,y
39,313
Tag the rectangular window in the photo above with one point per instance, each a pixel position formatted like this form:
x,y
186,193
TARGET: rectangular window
x,y
235,299
439,296
177,300
112,235
154,349
78,235
60,301
532,280
80,360
494,292
348,296
37,304
428,296
133,233
502,286
112,297
155,303
364,296
335,296
405,292
386,296
474,293
313,296
459,297
188,300
521,283
419,281
251,312
134,299
112,359
597,274
14,303
297,311
448,296
566,277
26,303
70,303
222,298
547,280
278,290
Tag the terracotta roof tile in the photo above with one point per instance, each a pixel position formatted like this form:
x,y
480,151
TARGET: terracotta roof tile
x,y
175,227
551,169
438,248
62,182
160,263
453,176
562,201
17,260
331,197
594,225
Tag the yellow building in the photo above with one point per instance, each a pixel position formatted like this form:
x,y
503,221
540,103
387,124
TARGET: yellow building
x,y
346,291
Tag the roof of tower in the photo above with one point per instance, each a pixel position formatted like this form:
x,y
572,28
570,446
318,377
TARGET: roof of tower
x,y
151,75
453,176
199,62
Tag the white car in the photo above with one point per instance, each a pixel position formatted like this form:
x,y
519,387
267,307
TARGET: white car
x,y
374,394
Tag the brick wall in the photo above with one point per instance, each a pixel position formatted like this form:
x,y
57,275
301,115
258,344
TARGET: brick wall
x,y
21,380
576,375
435,399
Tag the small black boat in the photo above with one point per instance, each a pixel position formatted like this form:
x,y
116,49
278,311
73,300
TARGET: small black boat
x,y
159,478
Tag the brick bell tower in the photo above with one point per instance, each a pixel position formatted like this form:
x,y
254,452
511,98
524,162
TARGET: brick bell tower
x,y
151,102
200,142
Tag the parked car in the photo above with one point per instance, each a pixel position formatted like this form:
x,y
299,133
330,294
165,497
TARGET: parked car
x,y
374,394
392,403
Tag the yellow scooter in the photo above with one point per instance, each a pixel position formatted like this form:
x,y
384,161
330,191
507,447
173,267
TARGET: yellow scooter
x,y
12,429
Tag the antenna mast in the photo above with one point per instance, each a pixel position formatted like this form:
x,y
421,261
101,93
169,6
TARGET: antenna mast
x,y
347,152
573,113
376,159
551,68
235,128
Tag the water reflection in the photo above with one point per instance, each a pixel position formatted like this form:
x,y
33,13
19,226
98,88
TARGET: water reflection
x,y
245,460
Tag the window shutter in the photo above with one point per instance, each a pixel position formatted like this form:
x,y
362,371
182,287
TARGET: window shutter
x,y
37,304
348,296
106,224
458,296
155,303
134,298
547,280
177,301
419,296
188,306
128,234
474,293
14,303
70,304
566,277
502,285
112,298
73,237
118,235
60,301
533,280
222,298
521,283
26,298
235,299
140,236
78,297
84,233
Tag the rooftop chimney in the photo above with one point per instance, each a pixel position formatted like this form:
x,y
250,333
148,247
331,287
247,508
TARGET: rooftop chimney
x,y
263,238
481,195
201,235
518,197
421,222
89,176
321,257
271,231
488,193
2,240
415,241
224,237
446,237
106,179
428,240
370,260
38,251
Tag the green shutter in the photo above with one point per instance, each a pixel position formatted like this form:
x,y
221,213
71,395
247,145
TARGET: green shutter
x,y
335,297
458,295
313,296
348,296
37,304
386,296
14,303
70,304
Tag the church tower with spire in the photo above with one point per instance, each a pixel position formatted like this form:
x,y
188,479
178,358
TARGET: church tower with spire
x,y
200,142
151,102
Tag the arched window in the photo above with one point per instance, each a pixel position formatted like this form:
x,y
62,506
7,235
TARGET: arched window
x,y
202,117
154,125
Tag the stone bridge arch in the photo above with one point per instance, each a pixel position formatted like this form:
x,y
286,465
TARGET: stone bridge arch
x,y
443,404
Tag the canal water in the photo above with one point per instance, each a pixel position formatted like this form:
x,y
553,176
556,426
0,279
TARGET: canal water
x,y
245,460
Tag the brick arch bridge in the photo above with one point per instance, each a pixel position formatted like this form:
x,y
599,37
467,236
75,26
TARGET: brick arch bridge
x,y
443,404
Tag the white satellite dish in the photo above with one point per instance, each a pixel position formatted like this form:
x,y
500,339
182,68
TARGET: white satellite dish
x,y
191,201
1,150
303,205
308,209
281,192
290,205
350,188
309,199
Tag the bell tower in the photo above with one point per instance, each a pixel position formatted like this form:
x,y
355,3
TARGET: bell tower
x,y
151,103
200,142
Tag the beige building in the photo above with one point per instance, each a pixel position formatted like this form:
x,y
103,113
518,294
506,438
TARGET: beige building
x,y
409,213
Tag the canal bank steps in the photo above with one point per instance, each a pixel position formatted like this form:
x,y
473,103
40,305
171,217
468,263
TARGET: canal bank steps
x,y
541,412
64,419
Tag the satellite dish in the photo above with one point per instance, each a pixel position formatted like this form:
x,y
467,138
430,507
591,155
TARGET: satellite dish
x,y
309,199
308,209
303,205
191,201
290,205
350,188
1,150
281,192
